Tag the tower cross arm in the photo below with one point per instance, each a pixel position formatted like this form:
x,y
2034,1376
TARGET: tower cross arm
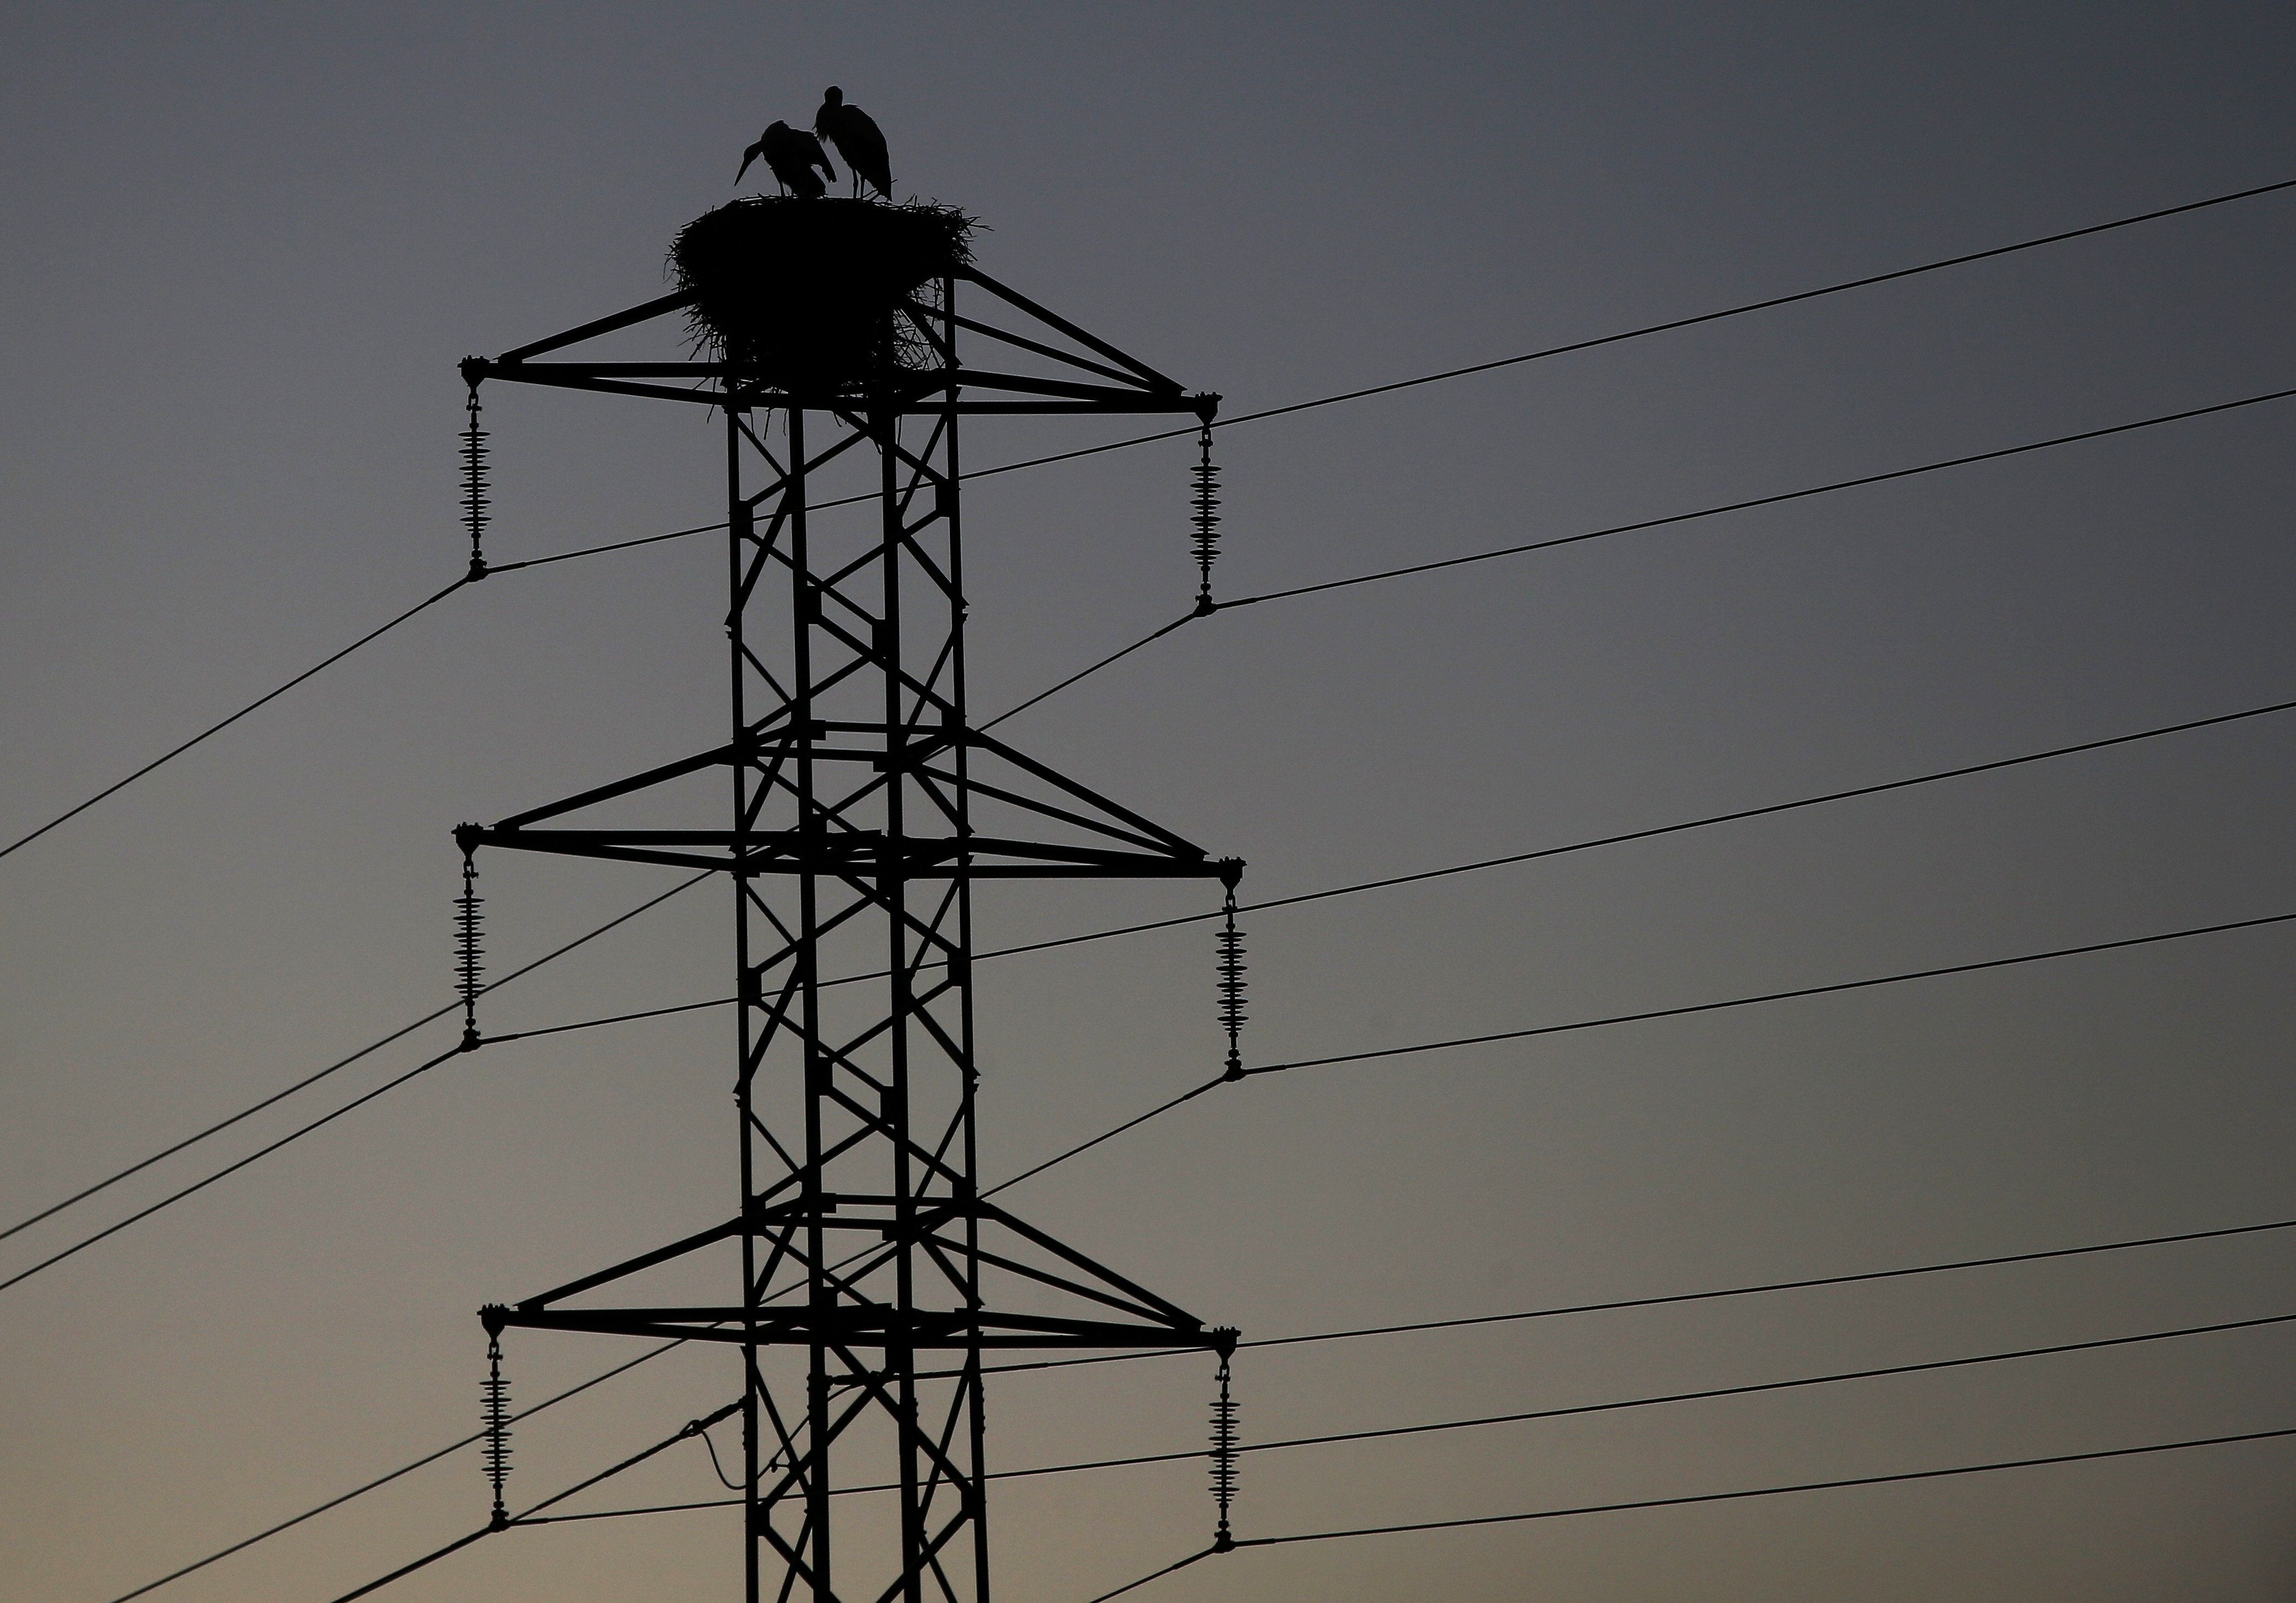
x,y
954,1329
860,851
756,1220
1090,341
643,312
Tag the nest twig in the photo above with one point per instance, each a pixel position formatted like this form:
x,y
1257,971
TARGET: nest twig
x,y
816,296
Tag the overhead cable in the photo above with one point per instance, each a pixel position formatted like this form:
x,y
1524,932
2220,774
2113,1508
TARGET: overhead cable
x,y
1595,342
1676,1298
1739,310
1679,1011
1707,1395
1654,832
1900,1478
212,728
1614,839
1767,1287
1758,500
1529,1415
1207,609
1769,996
684,1433
1331,400
1190,1094
1418,875
199,1185
383,1480
1805,1283
310,1080
1704,1497
1716,1497
1083,674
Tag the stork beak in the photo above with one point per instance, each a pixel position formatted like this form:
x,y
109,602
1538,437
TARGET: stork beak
x,y
748,156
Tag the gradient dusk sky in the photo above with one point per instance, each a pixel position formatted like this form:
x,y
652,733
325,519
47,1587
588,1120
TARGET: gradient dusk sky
x,y
245,247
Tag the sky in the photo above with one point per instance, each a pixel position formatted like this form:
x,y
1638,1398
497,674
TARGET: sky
x,y
247,246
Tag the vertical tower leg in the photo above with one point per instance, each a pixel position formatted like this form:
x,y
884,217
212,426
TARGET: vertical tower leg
x,y
741,529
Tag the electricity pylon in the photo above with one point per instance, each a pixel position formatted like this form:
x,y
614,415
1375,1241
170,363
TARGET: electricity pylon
x,y
874,1272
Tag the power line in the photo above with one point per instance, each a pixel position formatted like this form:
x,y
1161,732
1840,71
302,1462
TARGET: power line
x,y
1331,400
384,1480
1083,673
1654,832
1683,1011
1275,902
374,1046
1740,310
695,1427
1283,411
592,1024
1246,601
438,1453
1759,501
1805,1283
1769,996
1154,1576
1209,608
404,1570
1086,1146
599,551
691,1429
1711,1394
199,1185
1529,1415
1767,1287
1705,1497
1341,890
1716,1497
1673,1299
170,756
1620,839
1644,331
248,1112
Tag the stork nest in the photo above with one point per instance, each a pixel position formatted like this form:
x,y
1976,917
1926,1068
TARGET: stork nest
x,y
818,296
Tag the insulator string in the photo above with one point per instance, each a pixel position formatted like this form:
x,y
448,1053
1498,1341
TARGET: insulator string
x,y
1206,517
1231,988
1226,1445
475,500
468,952
496,1411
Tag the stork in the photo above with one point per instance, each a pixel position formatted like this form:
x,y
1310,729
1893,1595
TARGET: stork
x,y
792,154
857,138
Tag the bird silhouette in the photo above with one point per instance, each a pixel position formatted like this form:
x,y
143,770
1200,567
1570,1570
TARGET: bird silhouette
x,y
857,138
792,154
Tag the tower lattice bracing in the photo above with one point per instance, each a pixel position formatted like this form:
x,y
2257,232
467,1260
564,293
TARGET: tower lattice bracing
x,y
853,808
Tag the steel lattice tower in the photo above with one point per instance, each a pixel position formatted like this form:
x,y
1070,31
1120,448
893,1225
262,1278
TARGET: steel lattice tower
x,y
873,1273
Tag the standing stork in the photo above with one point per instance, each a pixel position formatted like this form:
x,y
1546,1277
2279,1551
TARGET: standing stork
x,y
857,138
792,154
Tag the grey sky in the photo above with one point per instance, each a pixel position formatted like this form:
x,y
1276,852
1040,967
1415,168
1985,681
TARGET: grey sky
x,y
245,247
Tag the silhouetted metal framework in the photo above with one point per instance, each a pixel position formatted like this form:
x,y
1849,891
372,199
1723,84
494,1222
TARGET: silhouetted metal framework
x,y
864,808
